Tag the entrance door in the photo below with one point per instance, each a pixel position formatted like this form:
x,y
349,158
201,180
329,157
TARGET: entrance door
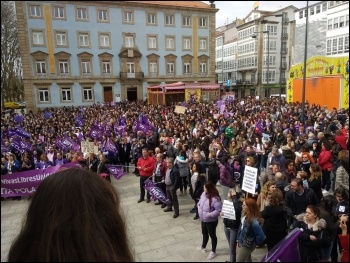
x,y
107,94
131,94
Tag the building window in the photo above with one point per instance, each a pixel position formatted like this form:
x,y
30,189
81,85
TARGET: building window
x,y
329,47
61,39
38,38
35,11
84,39
347,20
300,14
128,17
59,12
102,15
86,67
88,94
203,68
335,23
41,68
324,7
170,43
203,44
151,19
330,24
130,69
153,68
104,40
152,42
66,94
170,68
186,21
129,41
334,45
82,14
44,95
169,20
106,67
187,68
346,44
318,9
305,13
312,11
203,22
186,43
341,21
63,68
340,45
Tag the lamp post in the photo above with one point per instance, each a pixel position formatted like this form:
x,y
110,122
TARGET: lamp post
x,y
222,61
280,81
268,56
304,69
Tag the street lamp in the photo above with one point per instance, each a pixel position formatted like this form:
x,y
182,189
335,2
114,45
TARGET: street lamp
x,y
268,55
280,81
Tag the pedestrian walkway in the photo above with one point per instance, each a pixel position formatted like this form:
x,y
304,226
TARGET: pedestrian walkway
x,y
155,235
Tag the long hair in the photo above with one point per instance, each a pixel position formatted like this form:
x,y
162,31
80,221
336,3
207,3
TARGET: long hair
x,y
276,198
343,157
265,189
316,172
253,211
74,215
212,192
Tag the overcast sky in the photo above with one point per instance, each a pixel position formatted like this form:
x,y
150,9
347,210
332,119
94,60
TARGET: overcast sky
x,y
230,10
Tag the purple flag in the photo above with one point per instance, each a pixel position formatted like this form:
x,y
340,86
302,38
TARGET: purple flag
x,y
95,134
116,170
122,121
222,108
113,103
259,128
67,144
184,104
79,122
109,146
219,103
156,192
287,250
26,183
18,118
47,115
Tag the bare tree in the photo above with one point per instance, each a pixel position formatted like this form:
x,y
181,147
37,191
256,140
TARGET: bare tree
x,y
11,72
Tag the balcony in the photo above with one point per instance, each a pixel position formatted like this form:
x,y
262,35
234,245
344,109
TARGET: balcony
x,y
64,74
283,65
203,74
170,74
187,74
284,50
106,74
285,20
86,74
41,75
128,75
284,35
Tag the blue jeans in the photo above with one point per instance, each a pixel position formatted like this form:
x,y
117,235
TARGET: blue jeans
x,y
231,235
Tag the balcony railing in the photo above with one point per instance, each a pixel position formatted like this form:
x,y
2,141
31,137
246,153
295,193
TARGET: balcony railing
x,y
284,35
106,74
135,75
153,74
285,20
284,65
284,50
41,75
187,74
64,75
203,74
86,74
170,74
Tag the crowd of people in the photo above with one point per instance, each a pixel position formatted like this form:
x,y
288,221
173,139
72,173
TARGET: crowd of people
x,y
303,167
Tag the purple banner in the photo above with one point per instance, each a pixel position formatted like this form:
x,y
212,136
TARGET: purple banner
x,y
287,250
116,170
110,146
79,122
47,115
18,118
26,183
155,192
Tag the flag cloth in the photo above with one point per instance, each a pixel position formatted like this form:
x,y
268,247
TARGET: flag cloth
x,y
18,118
110,146
47,115
259,128
156,192
79,122
116,170
287,250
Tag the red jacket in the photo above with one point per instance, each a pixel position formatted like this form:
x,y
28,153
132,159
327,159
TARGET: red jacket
x,y
344,241
146,165
341,139
325,160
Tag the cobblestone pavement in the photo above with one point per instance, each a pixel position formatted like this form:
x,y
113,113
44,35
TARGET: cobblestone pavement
x,y
155,235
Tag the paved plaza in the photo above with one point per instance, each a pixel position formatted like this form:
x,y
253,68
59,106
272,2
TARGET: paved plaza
x,y
155,235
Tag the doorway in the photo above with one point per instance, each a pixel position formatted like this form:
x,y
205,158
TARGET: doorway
x,y
131,94
107,94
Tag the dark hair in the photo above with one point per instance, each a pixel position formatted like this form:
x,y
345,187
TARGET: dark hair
x,y
343,157
276,198
298,181
327,145
314,209
343,192
327,203
183,154
212,192
74,215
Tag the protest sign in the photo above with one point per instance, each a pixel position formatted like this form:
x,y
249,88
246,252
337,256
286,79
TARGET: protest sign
x,y
180,109
89,147
228,210
249,179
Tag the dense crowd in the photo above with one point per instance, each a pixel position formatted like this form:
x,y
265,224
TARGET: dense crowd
x,y
303,168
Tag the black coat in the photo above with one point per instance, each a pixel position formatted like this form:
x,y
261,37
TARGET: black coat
x,y
198,190
124,153
275,224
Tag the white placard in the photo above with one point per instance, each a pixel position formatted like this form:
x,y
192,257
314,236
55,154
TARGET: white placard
x,y
249,179
89,147
228,210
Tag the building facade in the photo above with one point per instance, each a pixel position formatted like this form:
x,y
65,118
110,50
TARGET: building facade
x,y
328,30
80,53
262,54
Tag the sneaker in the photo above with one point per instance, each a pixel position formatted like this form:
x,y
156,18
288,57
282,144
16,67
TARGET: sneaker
x,y
211,255
196,217
201,249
